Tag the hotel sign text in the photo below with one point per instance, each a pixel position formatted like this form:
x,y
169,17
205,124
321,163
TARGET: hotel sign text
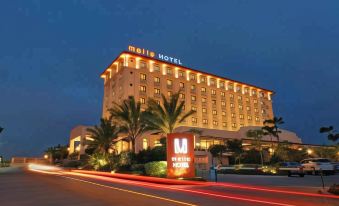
x,y
152,54
180,155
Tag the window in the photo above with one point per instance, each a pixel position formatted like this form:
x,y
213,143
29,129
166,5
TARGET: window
x,y
256,110
246,90
156,79
224,124
144,143
192,87
212,82
205,121
194,108
231,96
169,93
223,103
248,108
241,125
203,79
194,120
182,96
233,115
239,98
193,77
193,98
238,88
230,86
249,117
222,94
143,64
240,107
142,77
181,85
158,102
169,82
214,112
214,102
234,125
156,68
181,74
222,85
241,116
157,143
247,99
255,101
169,71
213,92
215,123
156,91
203,89
257,119
142,88
263,111
232,105
203,100
142,100
254,92
204,110
223,113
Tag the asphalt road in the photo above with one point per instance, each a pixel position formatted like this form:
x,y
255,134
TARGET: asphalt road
x,y
35,188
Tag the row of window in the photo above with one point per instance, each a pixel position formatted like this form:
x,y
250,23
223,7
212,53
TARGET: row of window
x,y
202,79
215,122
193,97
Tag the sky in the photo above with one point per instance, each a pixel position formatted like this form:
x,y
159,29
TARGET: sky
x,y
52,53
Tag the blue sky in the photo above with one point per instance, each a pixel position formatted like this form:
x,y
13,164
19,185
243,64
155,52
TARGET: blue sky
x,y
52,52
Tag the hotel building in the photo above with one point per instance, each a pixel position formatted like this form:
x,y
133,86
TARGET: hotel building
x,y
225,108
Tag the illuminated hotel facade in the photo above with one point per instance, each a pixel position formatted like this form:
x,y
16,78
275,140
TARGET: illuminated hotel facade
x,y
219,103
225,108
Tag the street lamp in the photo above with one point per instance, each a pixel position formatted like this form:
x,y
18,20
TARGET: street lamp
x,y
46,156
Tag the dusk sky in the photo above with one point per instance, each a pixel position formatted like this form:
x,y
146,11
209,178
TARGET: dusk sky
x,y
52,53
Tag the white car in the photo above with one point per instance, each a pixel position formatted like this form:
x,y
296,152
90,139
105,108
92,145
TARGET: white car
x,y
316,165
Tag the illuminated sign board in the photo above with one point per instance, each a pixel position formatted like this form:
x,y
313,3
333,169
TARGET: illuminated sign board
x,y
180,155
152,54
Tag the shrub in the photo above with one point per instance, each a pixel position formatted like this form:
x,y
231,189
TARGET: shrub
x,y
149,155
102,162
157,169
71,163
334,189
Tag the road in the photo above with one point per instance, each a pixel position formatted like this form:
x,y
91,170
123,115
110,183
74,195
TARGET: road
x,y
23,187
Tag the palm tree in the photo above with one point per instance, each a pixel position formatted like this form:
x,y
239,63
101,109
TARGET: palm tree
x,y
331,133
272,126
130,119
257,136
103,136
166,116
235,146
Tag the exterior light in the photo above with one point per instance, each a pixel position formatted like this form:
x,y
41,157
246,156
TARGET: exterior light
x,y
309,151
46,156
271,150
300,148
77,148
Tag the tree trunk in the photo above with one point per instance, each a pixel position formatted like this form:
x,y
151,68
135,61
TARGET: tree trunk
x,y
262,158
133,145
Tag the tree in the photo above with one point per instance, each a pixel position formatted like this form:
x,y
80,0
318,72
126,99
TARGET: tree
x,y
130,119
166,116
1,129
103,136
257,137
331,133
217,150
235,146
272,126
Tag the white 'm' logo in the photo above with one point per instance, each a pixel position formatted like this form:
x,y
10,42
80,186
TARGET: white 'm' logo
x,y
180,149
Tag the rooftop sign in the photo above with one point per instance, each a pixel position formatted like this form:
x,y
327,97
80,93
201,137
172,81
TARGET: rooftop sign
x,y
153,54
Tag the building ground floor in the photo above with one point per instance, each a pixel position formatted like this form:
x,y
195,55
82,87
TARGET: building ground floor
x,y
203,140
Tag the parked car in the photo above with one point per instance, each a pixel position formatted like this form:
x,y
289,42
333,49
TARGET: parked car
x,y
291,168
317,165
